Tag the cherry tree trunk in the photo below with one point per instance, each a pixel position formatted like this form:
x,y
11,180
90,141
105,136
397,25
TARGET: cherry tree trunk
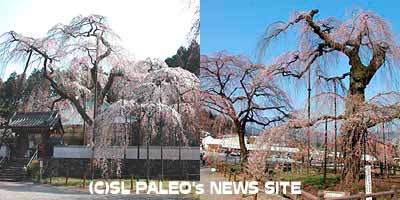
x,y
353,127
243,149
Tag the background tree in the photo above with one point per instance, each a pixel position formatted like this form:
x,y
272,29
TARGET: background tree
x,y
31,98
37,94
7,101
243,92
187,58
214,123
367,42
7,95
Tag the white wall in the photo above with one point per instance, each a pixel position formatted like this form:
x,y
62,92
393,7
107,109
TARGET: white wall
x,y
168,152
3,151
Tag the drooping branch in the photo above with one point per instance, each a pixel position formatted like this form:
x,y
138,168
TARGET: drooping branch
x,y
334,78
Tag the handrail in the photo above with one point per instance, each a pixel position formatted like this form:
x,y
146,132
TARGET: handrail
x,y
34,157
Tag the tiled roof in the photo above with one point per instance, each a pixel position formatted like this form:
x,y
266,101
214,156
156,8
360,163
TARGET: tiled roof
x,y
35,120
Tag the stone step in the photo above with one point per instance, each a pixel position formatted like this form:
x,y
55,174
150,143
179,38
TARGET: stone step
x,y
13,166
13,170
15,163
16,178
7,173
12,176
10,180
8,166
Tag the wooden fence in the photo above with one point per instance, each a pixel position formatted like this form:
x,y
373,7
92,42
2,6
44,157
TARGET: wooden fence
x,y
391,194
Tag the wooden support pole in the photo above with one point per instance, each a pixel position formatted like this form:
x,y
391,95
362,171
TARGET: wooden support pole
x,y
384,151
84,180
395,195
132,182
255,196
320,195
66,178
325,151
224,171
362,195
51,176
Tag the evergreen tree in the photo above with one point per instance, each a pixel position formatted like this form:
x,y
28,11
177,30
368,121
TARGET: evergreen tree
x,y
186,58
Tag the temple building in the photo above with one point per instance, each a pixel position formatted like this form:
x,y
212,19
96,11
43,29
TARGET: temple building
x,y
34,130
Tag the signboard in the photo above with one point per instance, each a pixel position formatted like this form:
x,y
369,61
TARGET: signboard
x,y
330,194
41,148
368,181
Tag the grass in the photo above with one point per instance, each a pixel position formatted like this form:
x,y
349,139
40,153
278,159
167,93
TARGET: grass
x,y
314,178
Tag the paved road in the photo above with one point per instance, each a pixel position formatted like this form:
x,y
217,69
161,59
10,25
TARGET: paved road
x,y
30,191
205,177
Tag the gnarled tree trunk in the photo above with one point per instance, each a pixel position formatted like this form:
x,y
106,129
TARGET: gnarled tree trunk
x,y
240,129
354,126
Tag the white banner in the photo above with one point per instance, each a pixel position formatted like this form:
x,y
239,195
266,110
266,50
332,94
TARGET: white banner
x,y
368,181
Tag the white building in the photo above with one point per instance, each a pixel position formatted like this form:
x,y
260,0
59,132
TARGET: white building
x,y
232,142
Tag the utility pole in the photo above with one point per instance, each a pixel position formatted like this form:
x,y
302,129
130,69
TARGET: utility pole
x,y
335,124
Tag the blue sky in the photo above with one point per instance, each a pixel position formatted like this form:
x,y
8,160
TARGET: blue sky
x,y
236,26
